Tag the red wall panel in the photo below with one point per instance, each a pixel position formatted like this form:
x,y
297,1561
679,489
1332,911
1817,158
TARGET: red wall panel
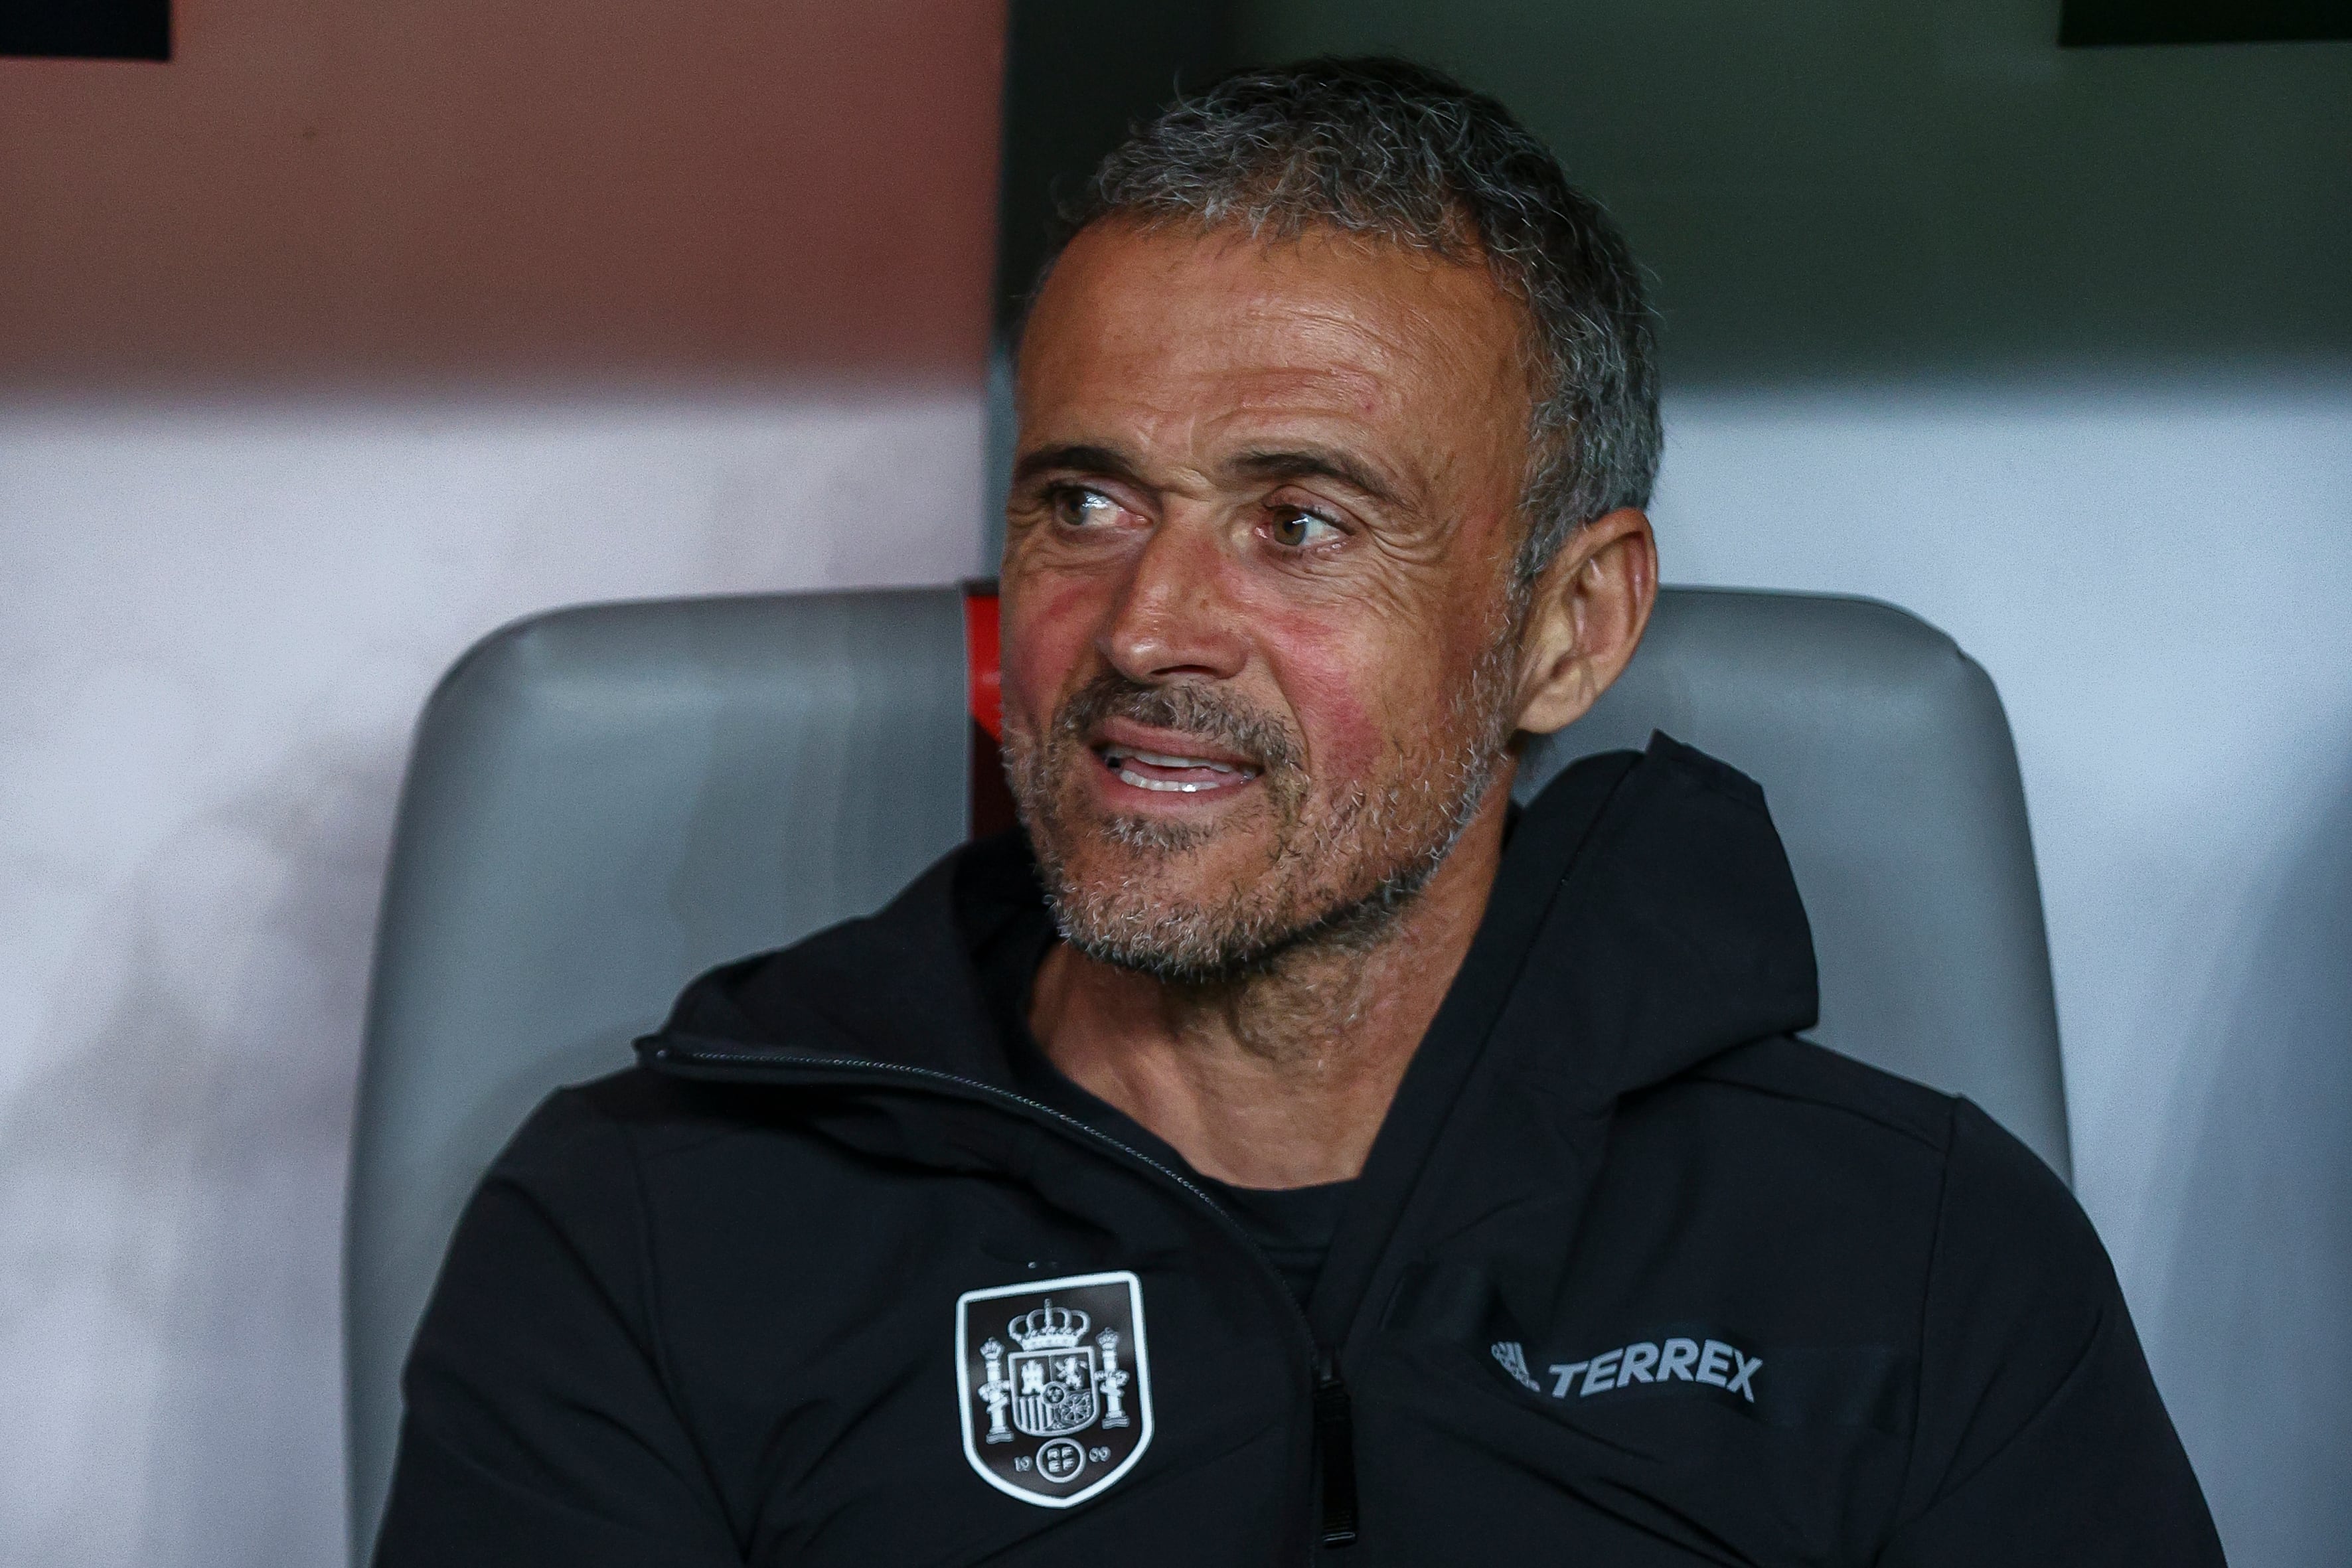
x,y
327,190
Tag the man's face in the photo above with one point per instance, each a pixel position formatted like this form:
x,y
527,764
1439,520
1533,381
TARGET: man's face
x,y
1258,655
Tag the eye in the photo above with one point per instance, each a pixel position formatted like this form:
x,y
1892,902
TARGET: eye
x,y
1077,506
1296,528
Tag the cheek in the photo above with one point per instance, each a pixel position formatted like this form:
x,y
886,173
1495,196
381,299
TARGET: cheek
x,y
1048,639
1337,683
1363,693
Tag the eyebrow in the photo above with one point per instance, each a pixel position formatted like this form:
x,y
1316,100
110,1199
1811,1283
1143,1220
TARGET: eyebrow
x,y
1315,463
1109,461
1277,466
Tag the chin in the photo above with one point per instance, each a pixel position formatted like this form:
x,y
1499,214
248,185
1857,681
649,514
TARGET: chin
x,y
1181,901
1169,861
1216,912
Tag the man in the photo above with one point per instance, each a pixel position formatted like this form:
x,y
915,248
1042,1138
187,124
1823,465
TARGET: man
x,y
1279,1150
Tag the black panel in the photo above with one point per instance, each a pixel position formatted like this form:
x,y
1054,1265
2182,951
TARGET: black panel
x,y
1078,74
87,29
2090,24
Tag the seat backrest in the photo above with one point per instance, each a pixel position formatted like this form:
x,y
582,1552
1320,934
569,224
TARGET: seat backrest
x,y
604,802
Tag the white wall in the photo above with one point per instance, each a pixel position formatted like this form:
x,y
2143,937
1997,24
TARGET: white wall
x,y
2160,581
216,624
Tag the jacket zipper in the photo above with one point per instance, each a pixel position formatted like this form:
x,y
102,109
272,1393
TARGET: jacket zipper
x,y
1335,1445
1334,1423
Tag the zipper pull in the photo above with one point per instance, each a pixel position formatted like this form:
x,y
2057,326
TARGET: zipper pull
x,y
1335,1444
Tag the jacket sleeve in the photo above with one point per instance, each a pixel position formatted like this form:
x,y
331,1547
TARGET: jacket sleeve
x,y
2040,1437
538,1427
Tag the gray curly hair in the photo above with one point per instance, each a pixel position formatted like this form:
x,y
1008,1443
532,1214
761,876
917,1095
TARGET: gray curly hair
x,y
1395,149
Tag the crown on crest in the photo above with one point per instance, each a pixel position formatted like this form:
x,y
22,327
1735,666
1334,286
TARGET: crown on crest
x,y
1049,1328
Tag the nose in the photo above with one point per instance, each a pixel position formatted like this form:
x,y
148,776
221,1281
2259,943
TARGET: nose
x,y
1174,619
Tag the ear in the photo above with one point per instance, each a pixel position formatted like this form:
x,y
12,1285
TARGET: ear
x,y
1586,617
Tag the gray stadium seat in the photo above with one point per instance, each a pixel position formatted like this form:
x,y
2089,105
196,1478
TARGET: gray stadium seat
x,y
602,802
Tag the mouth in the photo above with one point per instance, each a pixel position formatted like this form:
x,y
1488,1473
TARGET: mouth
x,y
1173,772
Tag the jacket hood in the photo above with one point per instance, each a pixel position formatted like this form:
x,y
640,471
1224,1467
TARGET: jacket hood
x,y
1645,918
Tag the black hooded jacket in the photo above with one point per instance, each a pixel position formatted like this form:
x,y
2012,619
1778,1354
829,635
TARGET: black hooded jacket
x,y
1632,1276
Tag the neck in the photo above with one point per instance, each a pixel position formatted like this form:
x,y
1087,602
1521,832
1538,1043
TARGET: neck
x,y
1282,1078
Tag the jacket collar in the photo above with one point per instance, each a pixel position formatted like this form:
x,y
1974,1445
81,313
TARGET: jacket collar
x,y
1645,918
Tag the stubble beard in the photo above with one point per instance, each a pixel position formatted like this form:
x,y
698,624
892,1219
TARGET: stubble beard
x,y
1341,864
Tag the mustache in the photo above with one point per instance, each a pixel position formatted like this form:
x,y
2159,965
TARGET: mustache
x,y
1205,713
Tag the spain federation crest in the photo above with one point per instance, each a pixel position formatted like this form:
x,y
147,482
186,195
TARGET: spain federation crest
x,y
1056,1384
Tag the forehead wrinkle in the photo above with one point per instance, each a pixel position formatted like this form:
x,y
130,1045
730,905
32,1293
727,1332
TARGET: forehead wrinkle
x,y
1354,420
1259,435
1368,379
1151,435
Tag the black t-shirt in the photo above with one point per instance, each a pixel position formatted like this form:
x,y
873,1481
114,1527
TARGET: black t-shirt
x,y
1293,1225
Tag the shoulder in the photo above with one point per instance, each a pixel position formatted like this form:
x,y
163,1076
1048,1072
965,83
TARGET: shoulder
x,y
574,1207
1792,1073
589,1140
1794,1132
1987,1174
1796,1079
1847,1168
691,1167
1988,1188
2012,1280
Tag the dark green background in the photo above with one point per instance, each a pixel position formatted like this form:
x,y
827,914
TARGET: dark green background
x,y
1832,189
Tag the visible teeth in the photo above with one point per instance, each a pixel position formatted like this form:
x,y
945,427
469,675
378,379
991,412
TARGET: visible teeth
x,y
1116,758
1158,760
1179,787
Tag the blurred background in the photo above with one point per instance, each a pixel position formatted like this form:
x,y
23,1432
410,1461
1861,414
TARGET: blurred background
x,y
344,333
